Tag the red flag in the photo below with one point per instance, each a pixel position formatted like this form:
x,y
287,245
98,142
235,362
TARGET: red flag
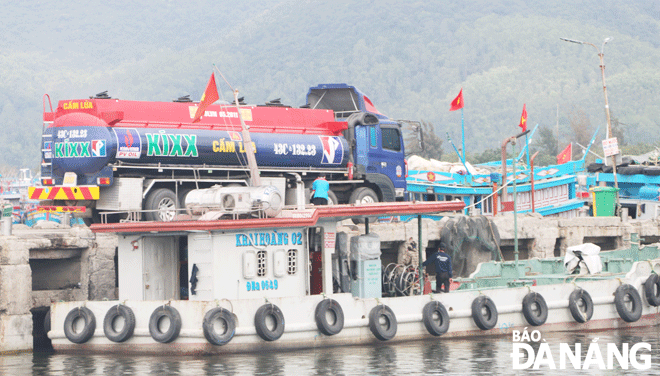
x,y
457,103
566,154
210,95
523,119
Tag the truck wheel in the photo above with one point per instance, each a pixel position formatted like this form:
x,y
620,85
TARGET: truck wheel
x,y
332,198
183,192
363,195
161,205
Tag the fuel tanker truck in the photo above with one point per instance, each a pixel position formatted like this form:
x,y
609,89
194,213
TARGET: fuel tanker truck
x,y
106,156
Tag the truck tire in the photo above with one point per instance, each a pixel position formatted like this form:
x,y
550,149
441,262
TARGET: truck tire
x,y
332,198
363,195
161,205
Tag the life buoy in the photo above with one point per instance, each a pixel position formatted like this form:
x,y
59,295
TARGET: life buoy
x,y
174,328
623,297
329,317
382,322
535,309
435,318
126,332
227,324
484,312
272,313
581,305
88,329
652,290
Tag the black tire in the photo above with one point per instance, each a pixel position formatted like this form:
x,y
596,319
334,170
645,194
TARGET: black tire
x,y
386,329
172,331
625,161
628,314
630,170
607,169
535,309
581,305
183,192
47,322
595,167
88,329
651,170
228,324
436,326
161,205
263,329
363,195
484,312
334,325
126,331
652,290
332,198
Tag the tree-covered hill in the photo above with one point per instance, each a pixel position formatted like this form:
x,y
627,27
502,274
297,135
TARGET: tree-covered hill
x,y
410,57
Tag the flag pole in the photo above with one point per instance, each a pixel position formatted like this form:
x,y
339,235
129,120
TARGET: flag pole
x,y
527,147
463,134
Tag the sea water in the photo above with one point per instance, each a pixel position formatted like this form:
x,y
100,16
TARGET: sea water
x,y
432,356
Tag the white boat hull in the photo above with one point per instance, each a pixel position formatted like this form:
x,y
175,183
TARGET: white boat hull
x,y
301,330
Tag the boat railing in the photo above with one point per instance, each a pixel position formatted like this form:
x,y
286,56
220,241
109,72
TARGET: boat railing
x,y
183,214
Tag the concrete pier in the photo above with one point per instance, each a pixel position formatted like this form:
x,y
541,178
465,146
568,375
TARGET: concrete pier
x,y
42,265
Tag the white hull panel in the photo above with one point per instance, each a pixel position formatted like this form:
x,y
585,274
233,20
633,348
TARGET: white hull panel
x,y
301,330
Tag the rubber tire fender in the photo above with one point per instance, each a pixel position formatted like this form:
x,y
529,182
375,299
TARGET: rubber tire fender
x,y
652,290
47,322
88,329
651,170
630,170
260,322
431,325
581,295
126,332
175,324
532,317
211,335
484,321
628,315
382,332
320,316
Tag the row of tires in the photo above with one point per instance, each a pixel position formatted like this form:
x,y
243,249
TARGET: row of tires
x,y
625,169
219,324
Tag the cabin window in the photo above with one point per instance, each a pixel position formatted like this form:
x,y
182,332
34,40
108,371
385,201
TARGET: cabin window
x,y
261,263
391,139
293,261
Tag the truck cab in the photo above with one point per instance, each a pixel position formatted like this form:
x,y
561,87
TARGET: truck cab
x,y
376,142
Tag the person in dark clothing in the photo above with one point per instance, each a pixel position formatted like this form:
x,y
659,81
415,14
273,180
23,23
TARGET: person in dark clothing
x,y
443,272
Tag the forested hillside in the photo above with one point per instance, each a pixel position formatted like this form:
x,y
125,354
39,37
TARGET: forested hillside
x,y
410,58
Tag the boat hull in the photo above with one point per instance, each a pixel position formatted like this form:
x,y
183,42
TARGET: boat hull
x,y
301,331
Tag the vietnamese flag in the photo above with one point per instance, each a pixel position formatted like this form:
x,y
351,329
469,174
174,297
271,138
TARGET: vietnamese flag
x,y
457,103
523,119
566,154
210,95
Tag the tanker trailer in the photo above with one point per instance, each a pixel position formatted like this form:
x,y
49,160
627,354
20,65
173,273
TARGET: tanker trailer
x,y
119,158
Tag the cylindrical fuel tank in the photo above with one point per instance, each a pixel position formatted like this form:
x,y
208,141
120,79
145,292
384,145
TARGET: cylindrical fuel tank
x,y
235,200
83,143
